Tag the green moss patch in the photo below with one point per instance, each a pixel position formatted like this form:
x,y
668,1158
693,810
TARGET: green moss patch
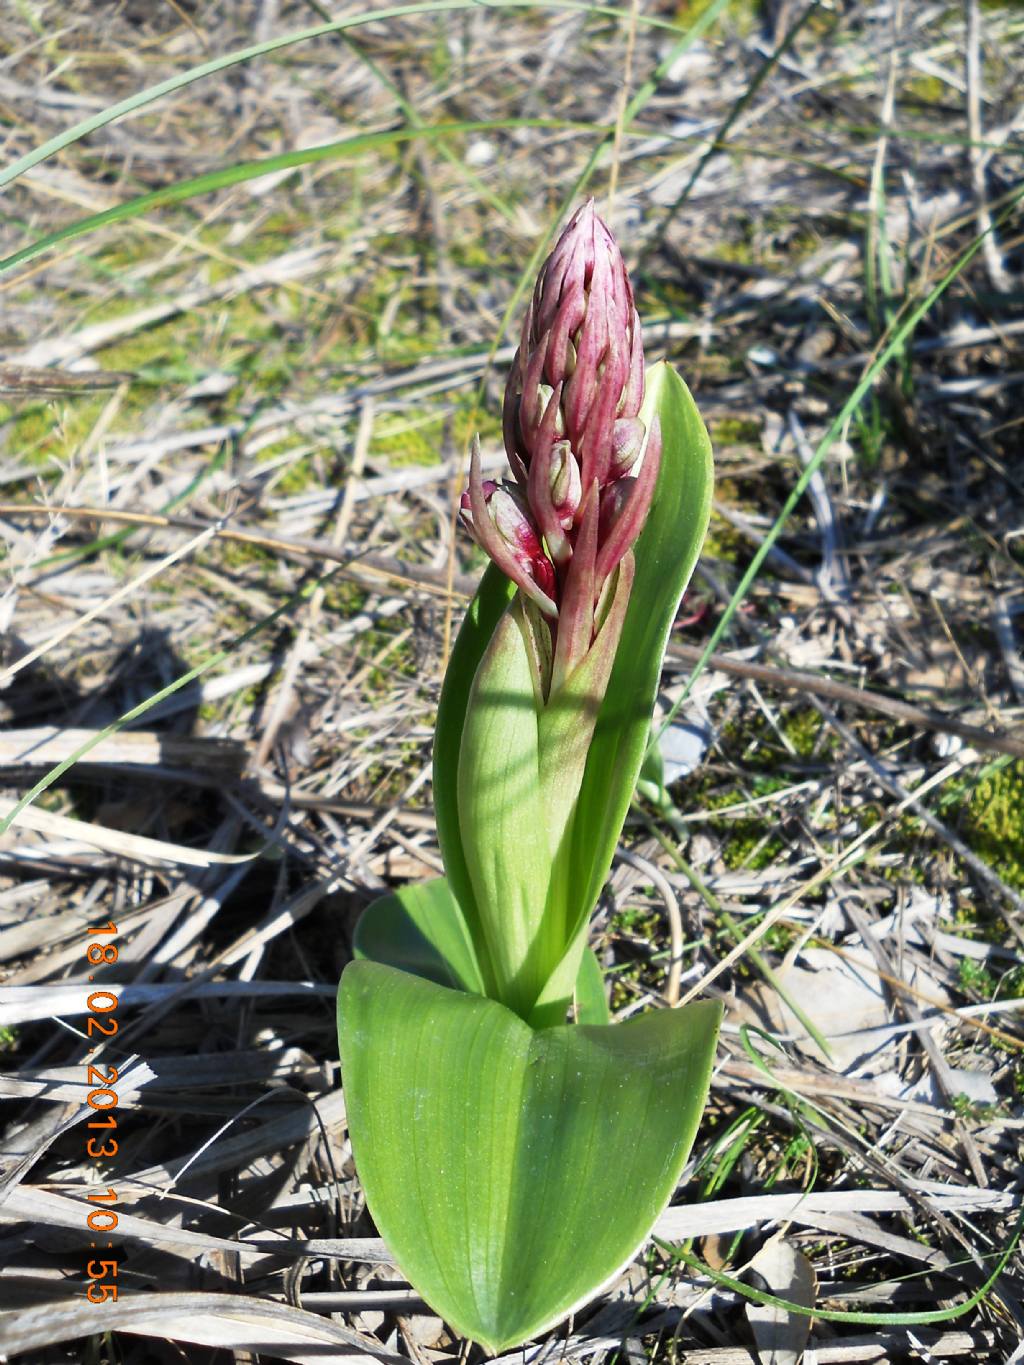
x,y
994,818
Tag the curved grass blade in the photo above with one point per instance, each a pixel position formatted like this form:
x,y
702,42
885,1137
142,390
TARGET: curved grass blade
x,y
920,1318
252,170
246,54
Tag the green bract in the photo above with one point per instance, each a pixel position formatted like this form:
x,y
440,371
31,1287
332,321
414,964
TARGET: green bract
x,y
484,1126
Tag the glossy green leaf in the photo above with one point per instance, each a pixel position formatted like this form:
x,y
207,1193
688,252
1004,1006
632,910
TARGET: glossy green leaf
x,y
420,929
591,997
503,820
666,553
485,1146
492,597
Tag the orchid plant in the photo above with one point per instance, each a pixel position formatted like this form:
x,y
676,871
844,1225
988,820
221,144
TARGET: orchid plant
x,y
513,1161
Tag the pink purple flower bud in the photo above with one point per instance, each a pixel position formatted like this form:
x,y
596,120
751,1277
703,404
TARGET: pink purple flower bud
x,y
564,484
498,517
581,334
627,442
573,437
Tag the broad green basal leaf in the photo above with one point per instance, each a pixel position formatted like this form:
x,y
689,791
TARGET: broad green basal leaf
x,y
486,1147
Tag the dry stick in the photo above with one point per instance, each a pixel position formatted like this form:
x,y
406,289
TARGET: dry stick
x,y
718,142
28,379
338,534
854,696
295,547
436,581
336,805
833,1131
43,746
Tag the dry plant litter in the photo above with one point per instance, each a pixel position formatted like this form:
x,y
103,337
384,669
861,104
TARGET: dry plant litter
x,y
232,429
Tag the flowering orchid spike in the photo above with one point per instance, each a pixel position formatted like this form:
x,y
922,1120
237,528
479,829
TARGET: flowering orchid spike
x,y
581,332
571,422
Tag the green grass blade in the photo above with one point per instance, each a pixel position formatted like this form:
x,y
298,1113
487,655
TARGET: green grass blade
x,y
247,54
251,170
922,1318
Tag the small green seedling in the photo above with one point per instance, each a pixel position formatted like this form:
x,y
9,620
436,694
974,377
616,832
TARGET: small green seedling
x,y
514,1162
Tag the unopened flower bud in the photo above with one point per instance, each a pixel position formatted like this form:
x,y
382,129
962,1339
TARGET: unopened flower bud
x,y
627,439
580,338
624,506
544,394
499,520
564,483
614,498
466,506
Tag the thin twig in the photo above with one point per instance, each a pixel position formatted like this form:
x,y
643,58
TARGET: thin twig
x,y
816,685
